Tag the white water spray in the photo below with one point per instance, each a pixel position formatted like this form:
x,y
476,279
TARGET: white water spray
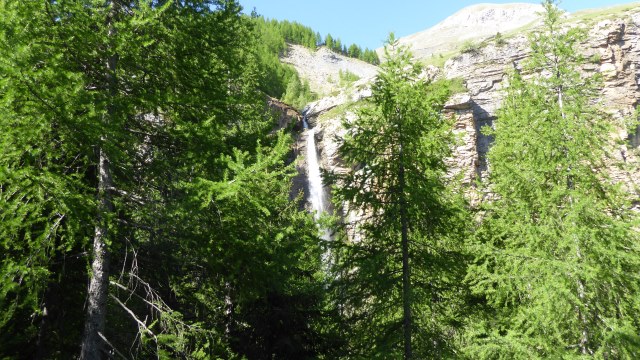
x,y
316,189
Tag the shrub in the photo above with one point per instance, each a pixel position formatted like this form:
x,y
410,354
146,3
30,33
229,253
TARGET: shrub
x,y
470,47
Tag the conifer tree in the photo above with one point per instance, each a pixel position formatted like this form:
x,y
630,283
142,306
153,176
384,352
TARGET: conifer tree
x,y
397,273
354,51
45,205
167,93
556,254
329,42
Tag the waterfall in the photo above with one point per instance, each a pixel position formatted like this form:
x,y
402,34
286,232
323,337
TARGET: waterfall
x,y
314,179
316,190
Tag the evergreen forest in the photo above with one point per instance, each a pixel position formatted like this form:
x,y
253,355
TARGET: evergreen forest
x,y
147,208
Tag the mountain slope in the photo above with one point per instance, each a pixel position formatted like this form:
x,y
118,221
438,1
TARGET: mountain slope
x,y
472,23
322,68
613,47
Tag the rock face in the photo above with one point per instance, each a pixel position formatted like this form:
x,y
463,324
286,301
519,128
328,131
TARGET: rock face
x,y
290,118
322,68
286,115
473,23
613,47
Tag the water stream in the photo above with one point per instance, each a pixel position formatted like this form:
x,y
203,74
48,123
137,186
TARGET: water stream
x,y
316,188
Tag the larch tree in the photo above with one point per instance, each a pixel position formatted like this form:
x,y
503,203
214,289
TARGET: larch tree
x,y
99,281
557,259
396,276
135,128
77,79
45,204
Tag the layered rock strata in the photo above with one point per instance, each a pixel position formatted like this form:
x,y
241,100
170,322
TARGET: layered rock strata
x,y
613,50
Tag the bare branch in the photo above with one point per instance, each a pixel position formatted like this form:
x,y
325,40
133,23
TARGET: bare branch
x,y
141,324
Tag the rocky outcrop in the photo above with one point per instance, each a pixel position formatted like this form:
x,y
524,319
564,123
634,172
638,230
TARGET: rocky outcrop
x,y
289,118
465,161
286,115
613,50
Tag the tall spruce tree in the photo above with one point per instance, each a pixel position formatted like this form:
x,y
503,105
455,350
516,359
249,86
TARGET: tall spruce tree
x,y
397,275
557,258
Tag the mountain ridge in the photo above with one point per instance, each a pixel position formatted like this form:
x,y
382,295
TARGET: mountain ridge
x,y
472,23
612,45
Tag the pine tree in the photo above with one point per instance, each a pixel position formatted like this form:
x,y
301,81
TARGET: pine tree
x,y
556,254
398,272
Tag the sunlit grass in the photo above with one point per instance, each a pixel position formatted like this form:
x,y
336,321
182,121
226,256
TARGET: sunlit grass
x,y
593,15
439,59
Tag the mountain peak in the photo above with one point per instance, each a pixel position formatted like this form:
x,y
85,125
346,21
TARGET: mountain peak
x,y
474,22
494,15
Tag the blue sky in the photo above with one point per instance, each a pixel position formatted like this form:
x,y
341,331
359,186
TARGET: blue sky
x,y
368,22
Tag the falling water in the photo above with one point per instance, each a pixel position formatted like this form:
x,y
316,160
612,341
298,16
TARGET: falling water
x,y
313,172
316,189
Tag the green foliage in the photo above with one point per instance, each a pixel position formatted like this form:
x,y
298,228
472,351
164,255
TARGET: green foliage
x,y
347,78
470,47
457,85
277,79
500,40
370,56
595,59
556,255
263,255
200,185
288,32
396,149
353,50
212,257
632,124
298,94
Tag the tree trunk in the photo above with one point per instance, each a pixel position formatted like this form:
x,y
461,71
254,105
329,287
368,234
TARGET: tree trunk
x,y
98,286
406,284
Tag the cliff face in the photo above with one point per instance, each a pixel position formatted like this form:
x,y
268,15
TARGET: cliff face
x,y
613,47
